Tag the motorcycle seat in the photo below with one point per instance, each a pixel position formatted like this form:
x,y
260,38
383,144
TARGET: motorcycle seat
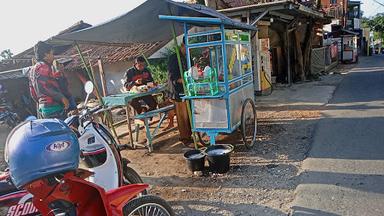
x,y
6,185
6,188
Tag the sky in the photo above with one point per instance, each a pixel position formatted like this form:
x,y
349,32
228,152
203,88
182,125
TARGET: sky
x,y
24,22
371,8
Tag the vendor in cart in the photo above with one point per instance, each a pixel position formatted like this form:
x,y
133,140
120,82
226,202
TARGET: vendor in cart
x,y
136,76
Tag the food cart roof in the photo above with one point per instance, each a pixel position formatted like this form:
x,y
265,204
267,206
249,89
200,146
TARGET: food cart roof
x,y
205,21
142,24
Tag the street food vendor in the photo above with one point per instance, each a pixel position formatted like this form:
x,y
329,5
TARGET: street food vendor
x,y
176,88
137,76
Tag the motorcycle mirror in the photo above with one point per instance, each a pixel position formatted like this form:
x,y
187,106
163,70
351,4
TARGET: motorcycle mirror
x,y
88,87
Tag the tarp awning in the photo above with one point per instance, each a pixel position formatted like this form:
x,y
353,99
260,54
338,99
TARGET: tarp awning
x,y
142,24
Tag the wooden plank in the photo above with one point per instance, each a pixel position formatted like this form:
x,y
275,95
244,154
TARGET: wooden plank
x,y
141,127
117,124
263,23
123,135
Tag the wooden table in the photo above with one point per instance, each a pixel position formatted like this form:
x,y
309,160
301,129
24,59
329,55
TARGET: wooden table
x,y
124,99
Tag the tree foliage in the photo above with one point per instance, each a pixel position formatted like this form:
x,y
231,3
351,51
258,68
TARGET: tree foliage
x,y
6,54
365,22
377,25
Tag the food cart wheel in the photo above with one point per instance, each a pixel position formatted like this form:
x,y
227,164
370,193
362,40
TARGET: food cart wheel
x,y
248,123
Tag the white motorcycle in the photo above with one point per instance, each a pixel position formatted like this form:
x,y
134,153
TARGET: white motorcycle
x,y
100,153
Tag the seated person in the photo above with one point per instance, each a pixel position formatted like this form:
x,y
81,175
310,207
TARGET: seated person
x,y
136,76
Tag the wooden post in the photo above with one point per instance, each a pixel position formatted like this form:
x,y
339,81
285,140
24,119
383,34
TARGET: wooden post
x,y
300,65
342,49
288,57
102,77
91,76
309,38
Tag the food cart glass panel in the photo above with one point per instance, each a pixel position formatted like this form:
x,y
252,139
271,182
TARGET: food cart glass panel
x,y
233,63
206,71
245,58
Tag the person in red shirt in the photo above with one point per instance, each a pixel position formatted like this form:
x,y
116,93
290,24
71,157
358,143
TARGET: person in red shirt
x,y
136,76
45,89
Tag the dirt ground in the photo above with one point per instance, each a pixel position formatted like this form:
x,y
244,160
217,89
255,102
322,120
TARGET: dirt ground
x,y
260,182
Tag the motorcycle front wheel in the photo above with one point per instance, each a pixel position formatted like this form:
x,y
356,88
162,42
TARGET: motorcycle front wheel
x,y
131,176
148,206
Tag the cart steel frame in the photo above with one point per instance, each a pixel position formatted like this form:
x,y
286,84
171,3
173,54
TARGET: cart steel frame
x,y
230,53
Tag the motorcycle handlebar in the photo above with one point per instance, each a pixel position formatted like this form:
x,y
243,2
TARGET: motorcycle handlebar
x,y
94,110
88,112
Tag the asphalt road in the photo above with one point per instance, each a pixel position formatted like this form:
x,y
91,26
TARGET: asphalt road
x,y
344,173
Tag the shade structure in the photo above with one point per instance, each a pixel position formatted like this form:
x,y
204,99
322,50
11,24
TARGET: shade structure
x,y
142,24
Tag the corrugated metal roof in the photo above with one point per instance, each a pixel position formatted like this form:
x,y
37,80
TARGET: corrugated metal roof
x,y
224,4
13,74
7,65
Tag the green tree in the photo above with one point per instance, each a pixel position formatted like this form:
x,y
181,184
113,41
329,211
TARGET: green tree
x,y
365,22
6,54
377,25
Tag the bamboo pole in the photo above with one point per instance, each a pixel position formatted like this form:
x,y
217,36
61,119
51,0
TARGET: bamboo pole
x,y
83,61
183,82
90,75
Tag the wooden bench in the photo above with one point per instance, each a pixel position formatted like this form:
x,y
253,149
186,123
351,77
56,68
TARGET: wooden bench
x,y
146,117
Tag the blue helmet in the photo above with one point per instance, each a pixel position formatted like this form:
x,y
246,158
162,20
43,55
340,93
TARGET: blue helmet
x,y
39,148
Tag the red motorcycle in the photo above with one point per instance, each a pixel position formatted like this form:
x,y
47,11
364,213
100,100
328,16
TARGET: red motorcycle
x,y
42,157
69,195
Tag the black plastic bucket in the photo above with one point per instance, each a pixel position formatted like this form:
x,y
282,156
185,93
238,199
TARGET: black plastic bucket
x,y
219,158
195,160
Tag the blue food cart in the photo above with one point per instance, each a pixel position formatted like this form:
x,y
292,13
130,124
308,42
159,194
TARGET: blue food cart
x,y
219,80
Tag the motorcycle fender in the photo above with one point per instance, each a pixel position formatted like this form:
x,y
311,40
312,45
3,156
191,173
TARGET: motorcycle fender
x,y
120,196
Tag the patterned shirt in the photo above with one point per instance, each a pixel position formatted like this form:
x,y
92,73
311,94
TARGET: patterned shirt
x,y
44,86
